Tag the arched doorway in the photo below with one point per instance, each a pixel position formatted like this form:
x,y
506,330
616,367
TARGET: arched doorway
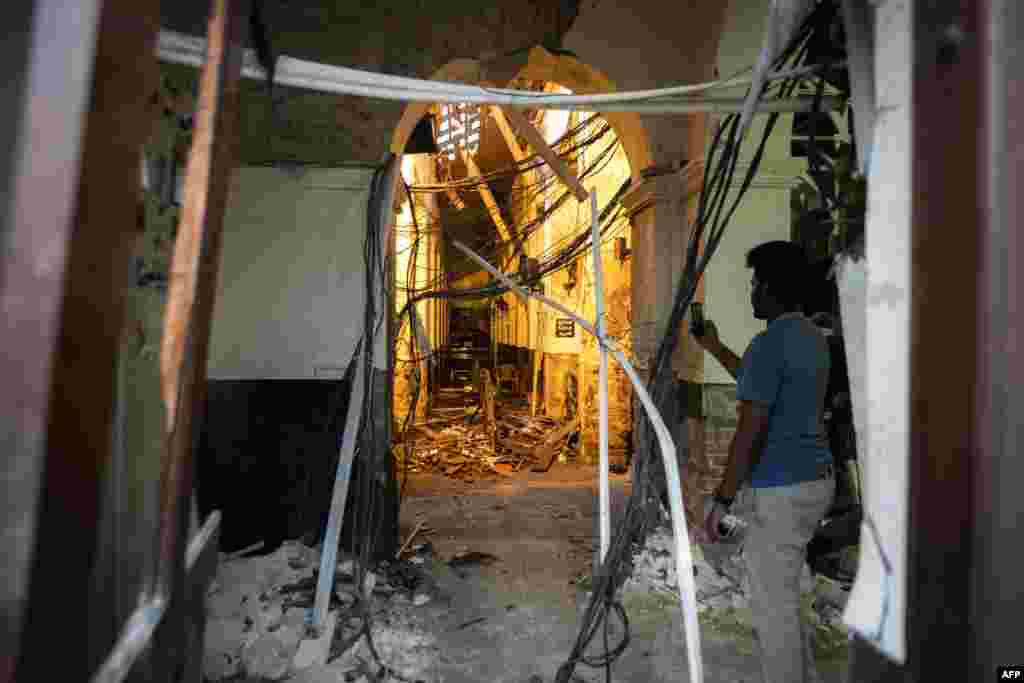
x,y
563,366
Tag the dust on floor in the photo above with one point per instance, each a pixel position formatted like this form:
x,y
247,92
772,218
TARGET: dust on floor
x,y
491,590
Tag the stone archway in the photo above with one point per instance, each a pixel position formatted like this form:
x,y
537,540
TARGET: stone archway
x,y
539,65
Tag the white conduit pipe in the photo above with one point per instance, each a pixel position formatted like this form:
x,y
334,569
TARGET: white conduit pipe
x,y
683,556
604,488
339,495
177,48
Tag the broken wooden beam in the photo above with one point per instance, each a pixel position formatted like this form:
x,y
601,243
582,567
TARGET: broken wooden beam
x,y
552,446
187,321
506,132
488,197
539,145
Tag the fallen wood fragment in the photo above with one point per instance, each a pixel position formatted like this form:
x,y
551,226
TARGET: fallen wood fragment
x,y
472,557
235,554
409,540
467,624
552,446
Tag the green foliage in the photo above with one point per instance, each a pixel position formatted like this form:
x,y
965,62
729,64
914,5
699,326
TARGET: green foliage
x,y
828,228
727,623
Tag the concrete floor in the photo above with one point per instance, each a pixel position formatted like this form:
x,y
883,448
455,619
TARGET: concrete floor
x,y
542,528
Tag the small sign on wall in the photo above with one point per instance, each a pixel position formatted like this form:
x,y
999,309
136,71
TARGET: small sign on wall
x,y
565,327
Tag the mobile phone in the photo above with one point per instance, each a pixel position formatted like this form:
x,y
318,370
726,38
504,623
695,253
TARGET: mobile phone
x,y
697,319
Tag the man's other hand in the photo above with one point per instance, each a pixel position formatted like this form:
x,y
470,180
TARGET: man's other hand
x,y
711,523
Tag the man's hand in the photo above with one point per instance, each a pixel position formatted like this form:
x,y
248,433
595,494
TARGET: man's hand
x,y
711,523
709,340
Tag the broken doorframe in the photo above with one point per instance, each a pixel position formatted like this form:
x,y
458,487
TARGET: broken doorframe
x,y
49,53
170,622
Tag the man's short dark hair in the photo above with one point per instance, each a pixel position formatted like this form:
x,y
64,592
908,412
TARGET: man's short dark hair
x,y
783,265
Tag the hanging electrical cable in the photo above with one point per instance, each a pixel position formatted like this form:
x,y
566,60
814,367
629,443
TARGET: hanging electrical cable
x,y
707,231
296,73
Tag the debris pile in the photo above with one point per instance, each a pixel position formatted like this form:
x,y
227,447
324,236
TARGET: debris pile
x,y
723,588
258,610
254,625
469,451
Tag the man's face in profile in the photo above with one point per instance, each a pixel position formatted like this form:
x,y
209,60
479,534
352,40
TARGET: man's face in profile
x,y
757,296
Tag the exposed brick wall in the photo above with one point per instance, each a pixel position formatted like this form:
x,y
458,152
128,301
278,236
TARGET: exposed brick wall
x,y
706,466
716,446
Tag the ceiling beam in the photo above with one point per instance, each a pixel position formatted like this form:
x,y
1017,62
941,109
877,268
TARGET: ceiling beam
x,y
537,142
506,132
485,192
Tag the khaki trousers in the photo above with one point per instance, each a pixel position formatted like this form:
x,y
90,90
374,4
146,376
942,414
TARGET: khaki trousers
x,y
782,520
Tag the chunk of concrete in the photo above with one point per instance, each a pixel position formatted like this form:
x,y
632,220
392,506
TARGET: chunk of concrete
x,y
267,657
222,647
314,651
320,674
220,665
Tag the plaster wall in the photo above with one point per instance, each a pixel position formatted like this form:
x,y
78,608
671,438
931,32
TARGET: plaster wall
x,y
290,288
764,214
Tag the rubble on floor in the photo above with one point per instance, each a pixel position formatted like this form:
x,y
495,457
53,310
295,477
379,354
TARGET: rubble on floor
x,y
468,451
258,607
723,590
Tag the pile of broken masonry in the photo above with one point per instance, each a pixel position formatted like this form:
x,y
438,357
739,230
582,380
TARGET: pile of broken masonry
x,y
258,607
723,589
257,611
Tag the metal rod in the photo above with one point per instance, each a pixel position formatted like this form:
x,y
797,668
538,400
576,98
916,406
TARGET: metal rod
x,y
329,553
683,554
135,638
138,630
602,379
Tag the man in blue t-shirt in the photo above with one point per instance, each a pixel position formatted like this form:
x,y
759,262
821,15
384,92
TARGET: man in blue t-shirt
x,y
779,454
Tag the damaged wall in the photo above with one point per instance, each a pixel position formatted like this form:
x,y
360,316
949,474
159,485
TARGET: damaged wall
x,y
292,274
286,320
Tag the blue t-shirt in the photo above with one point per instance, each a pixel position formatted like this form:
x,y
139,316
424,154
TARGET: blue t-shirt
x,y
786,369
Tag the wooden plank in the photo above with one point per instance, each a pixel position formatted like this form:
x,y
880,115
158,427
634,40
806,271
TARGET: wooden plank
x,y
506,132
549,449
192,286
541,147
69,179
488,197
